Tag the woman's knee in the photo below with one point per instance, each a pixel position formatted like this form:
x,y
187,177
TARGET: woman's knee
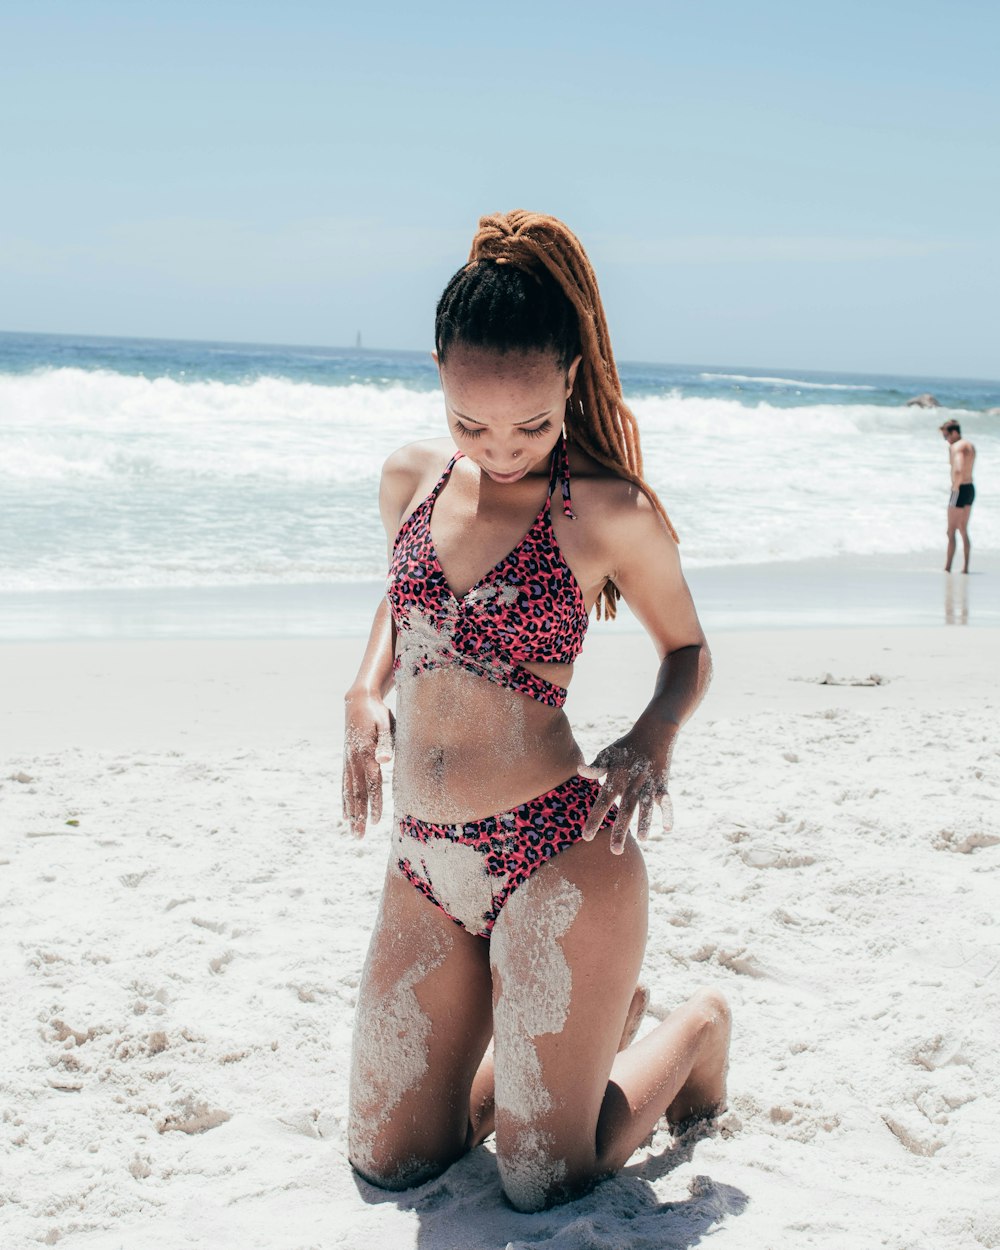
x,y
714,1007
389,1170
713,1013
533,1175
548,1161
396,1144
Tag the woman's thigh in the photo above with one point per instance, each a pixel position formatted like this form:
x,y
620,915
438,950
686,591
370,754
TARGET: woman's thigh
x,y
422,1024
566,952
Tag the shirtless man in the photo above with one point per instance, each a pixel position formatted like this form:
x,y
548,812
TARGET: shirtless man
x,y
962,455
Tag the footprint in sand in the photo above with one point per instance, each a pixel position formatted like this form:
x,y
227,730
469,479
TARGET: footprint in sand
x,y
192,1116
949,840
913,1132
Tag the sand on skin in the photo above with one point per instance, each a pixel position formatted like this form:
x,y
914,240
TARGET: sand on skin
x,y
180,966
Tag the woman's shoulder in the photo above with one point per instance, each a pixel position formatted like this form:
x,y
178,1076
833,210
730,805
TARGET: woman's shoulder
x,y
415,459
620,525
608,496
410,470
410,464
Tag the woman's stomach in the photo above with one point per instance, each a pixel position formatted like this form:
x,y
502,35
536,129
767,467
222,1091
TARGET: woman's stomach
x,y
467,747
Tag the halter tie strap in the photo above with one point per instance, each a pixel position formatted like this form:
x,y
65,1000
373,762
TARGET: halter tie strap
x,y
559,472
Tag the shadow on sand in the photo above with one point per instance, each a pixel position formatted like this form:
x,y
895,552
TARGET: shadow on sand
x,y
464,1209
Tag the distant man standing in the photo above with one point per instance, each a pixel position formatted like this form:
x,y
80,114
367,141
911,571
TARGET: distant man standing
x,y
962,455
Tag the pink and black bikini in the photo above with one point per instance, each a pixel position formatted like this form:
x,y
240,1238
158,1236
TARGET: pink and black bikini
x,y
528,609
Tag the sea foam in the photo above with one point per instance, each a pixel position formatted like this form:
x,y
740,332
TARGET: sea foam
x,y
112,479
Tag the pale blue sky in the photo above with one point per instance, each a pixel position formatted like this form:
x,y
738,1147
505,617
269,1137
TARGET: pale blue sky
x,y
770,184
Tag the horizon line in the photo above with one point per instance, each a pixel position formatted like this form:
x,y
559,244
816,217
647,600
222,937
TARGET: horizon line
x,y
409,351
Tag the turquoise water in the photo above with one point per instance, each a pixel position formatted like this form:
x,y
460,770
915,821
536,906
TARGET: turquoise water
x,y
147,466
245,363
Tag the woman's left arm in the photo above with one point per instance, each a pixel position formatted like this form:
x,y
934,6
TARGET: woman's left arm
x,y
635,769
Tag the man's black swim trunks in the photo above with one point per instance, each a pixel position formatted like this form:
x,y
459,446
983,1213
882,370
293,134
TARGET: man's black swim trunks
x,y
963,497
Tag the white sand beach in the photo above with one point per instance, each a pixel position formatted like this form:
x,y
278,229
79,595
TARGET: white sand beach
x,y
185,918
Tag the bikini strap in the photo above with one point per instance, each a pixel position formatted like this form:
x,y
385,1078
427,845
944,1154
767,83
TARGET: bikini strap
x,y
445,475
559,472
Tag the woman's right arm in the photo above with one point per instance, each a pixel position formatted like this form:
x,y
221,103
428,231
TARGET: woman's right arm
x,y
370,728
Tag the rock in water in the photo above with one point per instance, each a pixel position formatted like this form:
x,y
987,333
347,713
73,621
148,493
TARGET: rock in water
x,y
923,401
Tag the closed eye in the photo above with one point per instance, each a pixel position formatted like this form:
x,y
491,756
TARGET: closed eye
x,y
535,432
538,430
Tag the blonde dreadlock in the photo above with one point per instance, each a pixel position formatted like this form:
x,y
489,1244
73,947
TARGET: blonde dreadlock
x,y
529,285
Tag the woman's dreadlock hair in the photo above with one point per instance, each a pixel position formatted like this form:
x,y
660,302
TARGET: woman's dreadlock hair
x,y
528,286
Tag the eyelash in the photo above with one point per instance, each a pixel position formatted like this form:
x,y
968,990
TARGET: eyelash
x,y
537,432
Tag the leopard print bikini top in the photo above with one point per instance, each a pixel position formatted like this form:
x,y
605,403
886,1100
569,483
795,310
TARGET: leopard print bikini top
x,y
528,609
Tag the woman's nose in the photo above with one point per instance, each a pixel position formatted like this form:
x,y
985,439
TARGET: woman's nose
x,y
500,456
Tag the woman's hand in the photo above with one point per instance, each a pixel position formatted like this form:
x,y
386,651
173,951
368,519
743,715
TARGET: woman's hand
x,y
634,771
369,734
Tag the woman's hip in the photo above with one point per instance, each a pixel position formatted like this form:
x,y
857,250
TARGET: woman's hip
x,y
470,868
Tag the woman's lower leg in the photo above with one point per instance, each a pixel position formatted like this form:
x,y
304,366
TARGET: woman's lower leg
x,y
678,1070
482,1103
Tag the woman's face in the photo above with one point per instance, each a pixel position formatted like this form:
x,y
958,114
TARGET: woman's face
x,y
505,410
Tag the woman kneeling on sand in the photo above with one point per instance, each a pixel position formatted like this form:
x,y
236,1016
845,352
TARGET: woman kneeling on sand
x,y
515,900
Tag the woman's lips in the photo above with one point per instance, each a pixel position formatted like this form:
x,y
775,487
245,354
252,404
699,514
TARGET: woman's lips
x,y
506,477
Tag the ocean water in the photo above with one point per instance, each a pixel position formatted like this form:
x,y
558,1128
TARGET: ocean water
x,y
135,465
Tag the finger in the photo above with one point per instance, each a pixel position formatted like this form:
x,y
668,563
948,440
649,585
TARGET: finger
x,y
383,746
357,815
356,808
666,806
348,793
619,830
602,804
345,801
356,819
600,764
373,782
645,817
